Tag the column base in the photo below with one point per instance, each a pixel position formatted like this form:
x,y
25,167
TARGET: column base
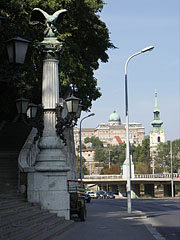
x,y
50,190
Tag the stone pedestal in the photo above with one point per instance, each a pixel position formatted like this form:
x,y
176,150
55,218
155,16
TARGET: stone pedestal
x,y
50,190
126,169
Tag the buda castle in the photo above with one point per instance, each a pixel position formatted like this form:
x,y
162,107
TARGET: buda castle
x,y
112,133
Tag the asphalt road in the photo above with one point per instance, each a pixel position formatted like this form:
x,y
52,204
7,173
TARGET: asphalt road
x,y
163,214
107,219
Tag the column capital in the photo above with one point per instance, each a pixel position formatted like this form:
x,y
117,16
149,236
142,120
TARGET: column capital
x,y
50,48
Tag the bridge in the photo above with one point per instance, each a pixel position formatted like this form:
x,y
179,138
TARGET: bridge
x,y
150,181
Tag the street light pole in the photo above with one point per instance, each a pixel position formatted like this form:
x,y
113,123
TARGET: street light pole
x,y
110,158
80,143
128,163
172,185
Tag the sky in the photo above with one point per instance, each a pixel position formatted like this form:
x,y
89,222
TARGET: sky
x,y
134,25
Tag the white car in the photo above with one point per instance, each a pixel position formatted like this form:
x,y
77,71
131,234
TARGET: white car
x,y
92,194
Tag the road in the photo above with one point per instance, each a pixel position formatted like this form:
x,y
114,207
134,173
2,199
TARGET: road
x,y
163,214
108,219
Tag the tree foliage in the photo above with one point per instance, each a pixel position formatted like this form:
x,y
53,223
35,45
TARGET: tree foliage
x,y
85,42
101,156
117,154
85,170
141,157
95,142
114,169
164,155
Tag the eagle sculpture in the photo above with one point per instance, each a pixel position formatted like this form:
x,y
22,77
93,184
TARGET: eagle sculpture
x,y
40,16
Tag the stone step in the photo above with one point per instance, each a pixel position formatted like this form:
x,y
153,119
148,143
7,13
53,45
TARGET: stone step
x,y
7,215
22,220
32,220
12,139
10,178
13,205
22,217
55,232
47,227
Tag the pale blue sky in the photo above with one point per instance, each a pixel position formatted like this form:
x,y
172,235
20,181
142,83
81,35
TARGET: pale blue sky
x,y
134,25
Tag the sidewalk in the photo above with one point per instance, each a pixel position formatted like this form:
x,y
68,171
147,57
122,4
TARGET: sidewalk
x,y
111,224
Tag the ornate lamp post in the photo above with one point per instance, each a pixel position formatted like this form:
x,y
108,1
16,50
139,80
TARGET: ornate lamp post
x,y
48,184
17,48
128,160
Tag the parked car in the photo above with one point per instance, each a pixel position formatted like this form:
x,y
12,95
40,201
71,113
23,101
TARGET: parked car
x,y
87,197
110,195
101,194
92,194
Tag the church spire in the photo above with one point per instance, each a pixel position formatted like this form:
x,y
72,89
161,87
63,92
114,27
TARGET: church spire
x,y
156,122
156,104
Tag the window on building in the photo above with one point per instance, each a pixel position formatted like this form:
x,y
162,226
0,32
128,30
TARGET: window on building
x,y
158,139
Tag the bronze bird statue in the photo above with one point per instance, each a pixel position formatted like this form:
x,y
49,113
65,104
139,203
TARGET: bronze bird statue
x,y
40,16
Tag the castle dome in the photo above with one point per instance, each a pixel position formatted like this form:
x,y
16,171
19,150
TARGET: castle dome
x,y
114,118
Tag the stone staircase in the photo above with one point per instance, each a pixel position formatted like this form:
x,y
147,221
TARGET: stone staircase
x,y
12,138
20,220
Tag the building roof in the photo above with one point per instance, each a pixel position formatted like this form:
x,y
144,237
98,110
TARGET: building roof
x,y
114,117
118,139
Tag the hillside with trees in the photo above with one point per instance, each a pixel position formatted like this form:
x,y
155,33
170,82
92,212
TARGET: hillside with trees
x,y
115,156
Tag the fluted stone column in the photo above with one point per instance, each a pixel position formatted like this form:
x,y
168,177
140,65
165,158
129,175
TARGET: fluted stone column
x,y
48,184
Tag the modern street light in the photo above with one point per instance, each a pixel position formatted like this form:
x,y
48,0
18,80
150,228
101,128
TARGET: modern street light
x,y
110,158
172,184
80,143
128,163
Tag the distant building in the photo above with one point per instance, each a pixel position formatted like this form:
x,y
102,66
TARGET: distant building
x,y
157,134
113,132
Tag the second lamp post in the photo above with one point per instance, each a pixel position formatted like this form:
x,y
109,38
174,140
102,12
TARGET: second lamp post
x,y
128,161
80,143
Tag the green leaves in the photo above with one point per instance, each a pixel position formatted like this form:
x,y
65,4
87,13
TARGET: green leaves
x,y
85,39
164,154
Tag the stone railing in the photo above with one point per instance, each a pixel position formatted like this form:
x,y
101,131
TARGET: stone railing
x,y
28,154
102,176
150,176
157,175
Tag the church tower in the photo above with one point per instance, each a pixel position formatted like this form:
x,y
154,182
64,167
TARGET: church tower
x,y
157,135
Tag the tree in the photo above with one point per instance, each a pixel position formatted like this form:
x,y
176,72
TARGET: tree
x,y
141,157
101,156
85,41
163,155
114,154
114,169
95,141
85,171
118,154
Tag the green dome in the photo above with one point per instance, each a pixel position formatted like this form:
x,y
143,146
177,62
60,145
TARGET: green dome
x,y
114,117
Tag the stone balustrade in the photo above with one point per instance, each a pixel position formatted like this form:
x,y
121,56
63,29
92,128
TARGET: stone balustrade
x,y
150,176
28,154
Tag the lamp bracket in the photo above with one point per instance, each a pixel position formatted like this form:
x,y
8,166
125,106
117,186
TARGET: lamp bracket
x,y
61,122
